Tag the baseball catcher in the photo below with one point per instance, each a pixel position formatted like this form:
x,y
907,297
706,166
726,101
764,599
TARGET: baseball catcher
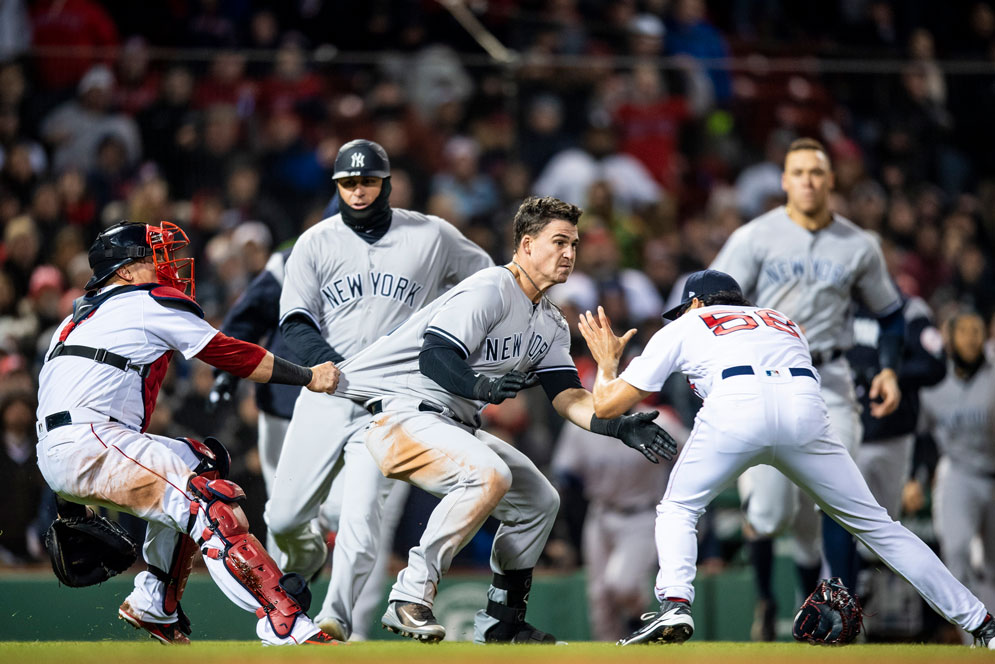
x,y
830,616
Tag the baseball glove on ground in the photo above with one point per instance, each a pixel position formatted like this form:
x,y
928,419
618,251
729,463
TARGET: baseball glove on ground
x,y
831,616
88,550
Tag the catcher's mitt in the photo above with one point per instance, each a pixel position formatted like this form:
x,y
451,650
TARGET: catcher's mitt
x,y
831,615
88,550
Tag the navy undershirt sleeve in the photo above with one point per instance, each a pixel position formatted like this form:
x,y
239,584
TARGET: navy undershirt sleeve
x,y
300,334
444,362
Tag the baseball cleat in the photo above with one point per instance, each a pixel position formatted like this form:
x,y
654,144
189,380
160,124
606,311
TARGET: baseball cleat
x,y
673,624
167,634
985,635
321,639
414,621
333,628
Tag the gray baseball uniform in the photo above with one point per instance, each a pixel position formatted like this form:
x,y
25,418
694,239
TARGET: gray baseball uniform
x,y
622,491
500,330
354,292
813,277
960,414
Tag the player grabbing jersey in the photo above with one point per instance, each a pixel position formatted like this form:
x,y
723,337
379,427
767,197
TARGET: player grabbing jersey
x,y
97,390
762,404
488,338
812,264
349,280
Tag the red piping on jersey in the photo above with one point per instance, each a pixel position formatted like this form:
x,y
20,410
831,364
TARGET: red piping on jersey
x,y
140,465
235,356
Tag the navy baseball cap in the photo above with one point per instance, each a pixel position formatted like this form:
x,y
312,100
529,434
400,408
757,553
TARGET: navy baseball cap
x,y
702,283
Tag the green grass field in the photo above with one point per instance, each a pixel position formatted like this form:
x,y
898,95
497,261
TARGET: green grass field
x,y
240,652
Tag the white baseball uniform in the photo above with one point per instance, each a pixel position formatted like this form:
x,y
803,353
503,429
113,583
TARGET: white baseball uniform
x,y
103,457
763,405
353,292
813,277
429,437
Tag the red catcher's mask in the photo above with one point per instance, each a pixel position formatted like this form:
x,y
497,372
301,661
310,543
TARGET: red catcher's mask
x,y
165,240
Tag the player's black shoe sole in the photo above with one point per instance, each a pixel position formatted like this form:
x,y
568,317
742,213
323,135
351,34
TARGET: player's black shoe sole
x,y
673,624
414,621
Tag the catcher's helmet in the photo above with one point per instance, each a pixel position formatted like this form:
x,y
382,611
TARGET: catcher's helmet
x,y
361,157
127,241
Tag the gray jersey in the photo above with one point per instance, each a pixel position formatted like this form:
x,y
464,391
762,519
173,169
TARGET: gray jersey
x,y
355,292
489,318
960,413
811,277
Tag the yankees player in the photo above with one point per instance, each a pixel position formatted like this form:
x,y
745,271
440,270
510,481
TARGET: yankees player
x,y
762,404
617,541
885,454
350,279
482,342
97,390
811,264
959,412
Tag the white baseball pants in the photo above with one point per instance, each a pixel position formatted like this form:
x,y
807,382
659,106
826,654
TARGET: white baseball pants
x,y
784,423
111,465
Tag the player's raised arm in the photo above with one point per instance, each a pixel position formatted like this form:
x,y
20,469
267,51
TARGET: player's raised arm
x,y
612,395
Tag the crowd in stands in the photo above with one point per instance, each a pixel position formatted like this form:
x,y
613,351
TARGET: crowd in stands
x,y
666,120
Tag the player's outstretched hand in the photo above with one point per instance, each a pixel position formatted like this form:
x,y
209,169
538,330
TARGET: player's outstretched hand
x,y
496,390
221,391
884,386
605,346
640,433
324,378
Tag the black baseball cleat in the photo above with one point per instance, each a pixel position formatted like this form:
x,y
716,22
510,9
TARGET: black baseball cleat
x,y
673,624
167,634
985,635
414,621
524,633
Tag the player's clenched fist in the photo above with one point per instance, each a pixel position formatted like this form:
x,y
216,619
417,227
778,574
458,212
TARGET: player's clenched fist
x,y
324,378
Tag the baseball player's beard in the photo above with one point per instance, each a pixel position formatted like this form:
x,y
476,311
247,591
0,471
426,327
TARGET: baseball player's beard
x,y
968,368
374,216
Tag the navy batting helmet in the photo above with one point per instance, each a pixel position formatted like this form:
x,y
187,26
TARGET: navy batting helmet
x,y
128,241
361,157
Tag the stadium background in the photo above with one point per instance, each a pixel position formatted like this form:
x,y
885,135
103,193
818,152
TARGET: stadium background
x,y
664,119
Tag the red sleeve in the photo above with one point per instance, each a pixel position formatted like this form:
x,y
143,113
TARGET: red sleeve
x,y
232,355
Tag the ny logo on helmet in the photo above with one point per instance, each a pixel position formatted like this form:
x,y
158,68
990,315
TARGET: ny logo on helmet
x,y
358,160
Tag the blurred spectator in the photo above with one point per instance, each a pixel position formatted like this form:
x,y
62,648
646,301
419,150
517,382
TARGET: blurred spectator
x,y
291,87
81,25
245,202
205,162
20,255
21,479
75,128
543,134
650,122
137,84
758,187
570,173
689,32
15,29
474,193
167,124
226,83
292,173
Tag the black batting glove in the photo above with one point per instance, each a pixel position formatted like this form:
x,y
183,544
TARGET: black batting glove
x,y
496,390
640,433
222,391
